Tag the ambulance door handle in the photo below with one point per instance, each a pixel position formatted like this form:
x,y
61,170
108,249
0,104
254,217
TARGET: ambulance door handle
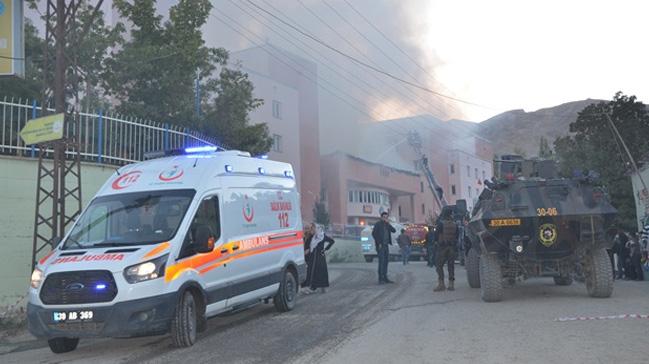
x,y
236,247
224,251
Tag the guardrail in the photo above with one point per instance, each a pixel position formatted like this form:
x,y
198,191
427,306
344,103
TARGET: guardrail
x,y
104,137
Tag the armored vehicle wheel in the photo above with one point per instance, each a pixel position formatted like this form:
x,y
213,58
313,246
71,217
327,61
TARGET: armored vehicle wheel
x,y
491,278
563,280
599,277
369,259
473,268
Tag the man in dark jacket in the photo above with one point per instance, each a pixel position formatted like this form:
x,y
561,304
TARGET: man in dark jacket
x,y
447,235
382,234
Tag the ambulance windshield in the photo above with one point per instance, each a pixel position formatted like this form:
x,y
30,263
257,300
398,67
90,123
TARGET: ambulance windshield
x,y
130,219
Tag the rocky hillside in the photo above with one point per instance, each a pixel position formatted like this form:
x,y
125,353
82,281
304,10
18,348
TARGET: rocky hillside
x,y
519,130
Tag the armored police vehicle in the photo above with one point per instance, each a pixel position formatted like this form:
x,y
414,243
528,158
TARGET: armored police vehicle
x,y
528,222
168,243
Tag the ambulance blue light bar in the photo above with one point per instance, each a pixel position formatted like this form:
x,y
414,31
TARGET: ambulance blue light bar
x,y
201,149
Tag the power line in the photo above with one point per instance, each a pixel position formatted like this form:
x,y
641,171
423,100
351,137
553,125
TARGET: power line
x,y
364,64
368,40
414,118
368,58
389,40
290,66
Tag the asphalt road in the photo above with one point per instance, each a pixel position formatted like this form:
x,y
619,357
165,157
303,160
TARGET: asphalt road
x,y
359,321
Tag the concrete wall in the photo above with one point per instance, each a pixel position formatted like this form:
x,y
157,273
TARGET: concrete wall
x,y
17,208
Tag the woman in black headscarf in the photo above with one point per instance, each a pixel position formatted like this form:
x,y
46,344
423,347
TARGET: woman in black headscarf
x,y
314,245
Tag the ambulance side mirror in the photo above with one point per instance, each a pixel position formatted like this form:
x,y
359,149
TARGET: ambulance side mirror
x,y
54,242
203,239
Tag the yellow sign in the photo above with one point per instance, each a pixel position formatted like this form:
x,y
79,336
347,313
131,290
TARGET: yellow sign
x,y
41,130
12,52
504,222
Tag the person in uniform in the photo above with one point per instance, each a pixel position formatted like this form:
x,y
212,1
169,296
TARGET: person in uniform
x,y
404,244
430,246
447,235
382,234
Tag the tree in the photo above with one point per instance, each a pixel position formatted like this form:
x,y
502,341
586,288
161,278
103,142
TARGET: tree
x,y
153,74
87,49
545,152
30,86
320,214
593,146
520,151
227,116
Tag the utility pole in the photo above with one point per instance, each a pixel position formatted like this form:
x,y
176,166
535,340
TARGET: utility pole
x,y
59,181
197,96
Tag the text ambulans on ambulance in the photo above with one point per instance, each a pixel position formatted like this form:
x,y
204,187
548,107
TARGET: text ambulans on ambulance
x,y
166,244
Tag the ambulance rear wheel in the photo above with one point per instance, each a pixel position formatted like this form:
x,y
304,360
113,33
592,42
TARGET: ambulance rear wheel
x,y
61,345
285,297
185,322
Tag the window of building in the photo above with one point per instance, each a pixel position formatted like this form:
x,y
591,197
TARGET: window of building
x,y
351,196
421,187
277,143
468,171
399,210
469,191
423,209
453,190
476,173
277,109
452,168
484,175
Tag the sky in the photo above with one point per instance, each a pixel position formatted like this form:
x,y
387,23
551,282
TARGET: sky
x,y
498,54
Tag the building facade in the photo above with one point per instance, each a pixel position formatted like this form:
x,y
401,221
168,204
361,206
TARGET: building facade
x,y
357,191
466,175
290,93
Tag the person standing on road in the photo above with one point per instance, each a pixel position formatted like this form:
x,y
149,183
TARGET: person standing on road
x,y
317,272
430,246
636,258
382,234
404,244
447,235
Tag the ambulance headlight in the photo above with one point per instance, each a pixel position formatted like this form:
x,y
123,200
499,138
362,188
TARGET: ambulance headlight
x,y
146,271
37,278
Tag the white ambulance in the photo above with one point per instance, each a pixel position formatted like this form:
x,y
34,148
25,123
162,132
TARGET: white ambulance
x,y
169,242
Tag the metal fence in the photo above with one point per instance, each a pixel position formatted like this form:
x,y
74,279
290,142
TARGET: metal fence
x,y
104,137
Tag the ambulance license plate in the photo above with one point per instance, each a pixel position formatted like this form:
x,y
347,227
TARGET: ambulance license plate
x,y
70,316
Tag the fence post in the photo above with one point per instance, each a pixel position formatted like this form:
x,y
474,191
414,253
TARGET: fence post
x,y
33,117
166,137
185,132
100,137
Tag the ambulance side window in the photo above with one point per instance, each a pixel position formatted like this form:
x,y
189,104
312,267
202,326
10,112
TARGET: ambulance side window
x,y
206,215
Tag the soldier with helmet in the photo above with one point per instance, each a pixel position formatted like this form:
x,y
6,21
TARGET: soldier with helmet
x,y
446,239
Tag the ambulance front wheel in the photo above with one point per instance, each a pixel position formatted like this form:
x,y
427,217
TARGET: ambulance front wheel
x,y
61,345
185,322
284,299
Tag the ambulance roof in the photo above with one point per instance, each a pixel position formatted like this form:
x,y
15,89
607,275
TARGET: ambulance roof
x,y
200,171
